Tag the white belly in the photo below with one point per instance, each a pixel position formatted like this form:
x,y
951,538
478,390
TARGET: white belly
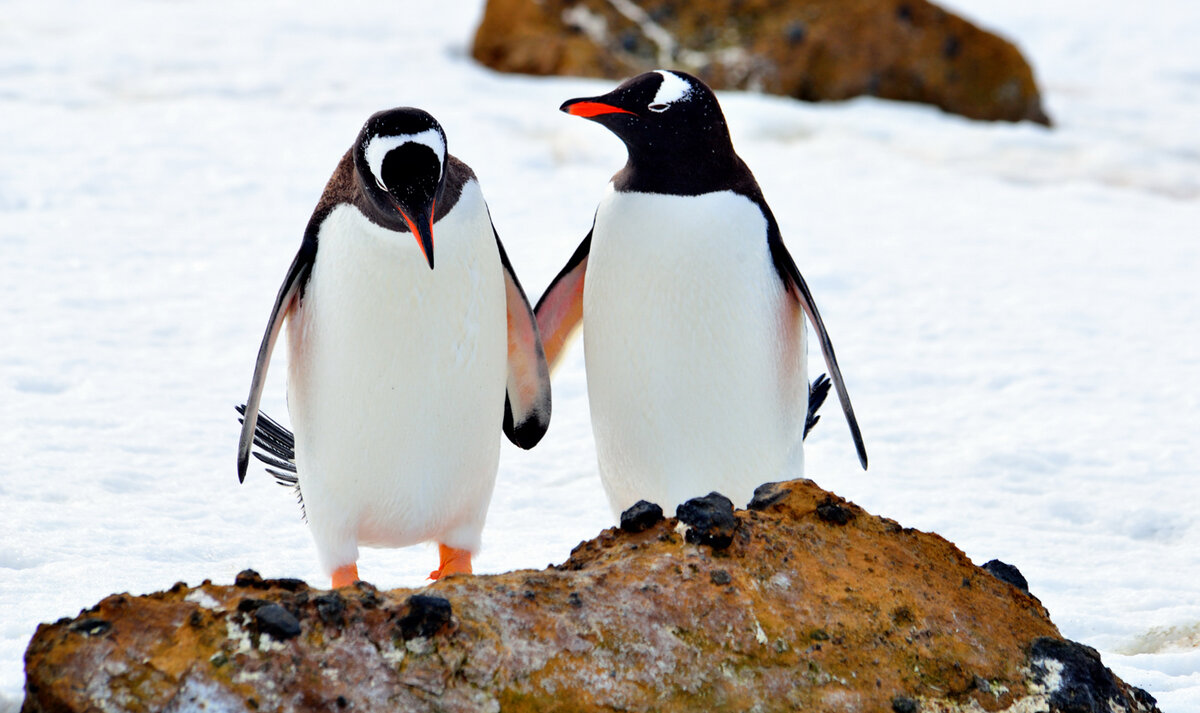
x,y
396,383
695,353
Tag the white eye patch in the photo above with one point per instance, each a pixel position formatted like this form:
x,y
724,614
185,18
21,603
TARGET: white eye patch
x,y
381,145
673,88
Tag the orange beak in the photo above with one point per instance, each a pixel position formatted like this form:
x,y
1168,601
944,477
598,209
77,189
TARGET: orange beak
x,y
588,108
424,236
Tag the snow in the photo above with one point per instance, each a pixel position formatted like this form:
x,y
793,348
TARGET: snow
x,y
1015,309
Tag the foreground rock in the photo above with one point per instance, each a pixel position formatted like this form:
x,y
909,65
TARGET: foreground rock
x,y
813,605
814,50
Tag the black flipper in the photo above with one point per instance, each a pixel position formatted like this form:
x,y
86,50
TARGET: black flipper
x,y
293,284
794,281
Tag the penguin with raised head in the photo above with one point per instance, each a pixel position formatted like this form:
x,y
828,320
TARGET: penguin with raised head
x,y
693,310
402,374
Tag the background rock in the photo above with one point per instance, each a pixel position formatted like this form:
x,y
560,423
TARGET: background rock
x,y
814,50
798,612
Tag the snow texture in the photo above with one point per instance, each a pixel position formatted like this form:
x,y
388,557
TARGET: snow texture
x,y
1015,308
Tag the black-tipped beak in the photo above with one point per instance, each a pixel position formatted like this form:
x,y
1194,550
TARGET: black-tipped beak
x,y
591,107
420,223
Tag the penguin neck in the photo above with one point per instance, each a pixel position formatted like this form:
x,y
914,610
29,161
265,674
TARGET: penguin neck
x,y
695,171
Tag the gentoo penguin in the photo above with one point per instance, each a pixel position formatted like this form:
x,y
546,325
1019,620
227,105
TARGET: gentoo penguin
x,y
402,374
693,310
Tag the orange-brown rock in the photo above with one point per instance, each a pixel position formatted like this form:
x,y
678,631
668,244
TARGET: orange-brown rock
x,y
815,605
815,50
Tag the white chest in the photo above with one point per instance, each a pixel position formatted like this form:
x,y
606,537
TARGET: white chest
x,y
397,375
694,352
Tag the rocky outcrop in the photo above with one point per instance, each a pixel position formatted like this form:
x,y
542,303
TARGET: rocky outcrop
x,y
815,50
801,602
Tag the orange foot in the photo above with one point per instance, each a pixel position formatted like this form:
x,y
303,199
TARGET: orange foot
x,y
453,562
345,575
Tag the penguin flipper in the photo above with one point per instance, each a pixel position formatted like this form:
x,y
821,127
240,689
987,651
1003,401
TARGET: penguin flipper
x,y
527,401
297,276
795,284
560,310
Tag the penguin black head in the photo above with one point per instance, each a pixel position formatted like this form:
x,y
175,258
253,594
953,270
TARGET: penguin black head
x,y
667,120
400,157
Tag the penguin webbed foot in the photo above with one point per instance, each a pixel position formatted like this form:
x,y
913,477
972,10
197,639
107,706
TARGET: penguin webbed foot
x,y
817,391
453,561
345,576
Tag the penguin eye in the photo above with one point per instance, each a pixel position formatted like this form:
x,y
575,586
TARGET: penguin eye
x,y
672,88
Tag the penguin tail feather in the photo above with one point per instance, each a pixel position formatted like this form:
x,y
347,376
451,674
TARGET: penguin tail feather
x,y
817,391
277,444
276,448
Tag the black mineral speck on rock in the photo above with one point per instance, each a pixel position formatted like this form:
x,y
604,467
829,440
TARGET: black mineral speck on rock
x,y
720,577
1085,684
796,32
833,512
628,40
1007,573
276,622
575,600
331,608
767,495
426,616
641,516
952,47
904,704
710,519
92,627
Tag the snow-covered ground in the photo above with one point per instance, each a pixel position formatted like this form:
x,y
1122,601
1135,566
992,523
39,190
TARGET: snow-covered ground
x,y
1015,309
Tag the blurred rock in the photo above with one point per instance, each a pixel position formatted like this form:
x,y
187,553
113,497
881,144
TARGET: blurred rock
x,y
816,50
799,612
